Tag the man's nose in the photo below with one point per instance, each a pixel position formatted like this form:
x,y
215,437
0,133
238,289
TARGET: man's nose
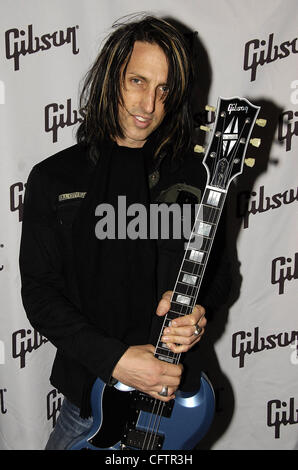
x,y
148,101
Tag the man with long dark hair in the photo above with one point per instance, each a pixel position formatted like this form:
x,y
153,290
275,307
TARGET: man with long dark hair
x,y
95,300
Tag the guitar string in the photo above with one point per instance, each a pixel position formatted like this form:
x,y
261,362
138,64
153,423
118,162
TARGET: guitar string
x,y
149,424
158,415
215,214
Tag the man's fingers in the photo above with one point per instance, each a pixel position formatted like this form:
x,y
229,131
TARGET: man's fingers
x,y
171,371
169,397
186,328
196,317
182,348
164,304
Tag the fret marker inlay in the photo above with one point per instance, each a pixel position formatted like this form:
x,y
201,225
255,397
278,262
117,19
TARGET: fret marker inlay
x,y
204,229
196,256
213,198
183,299
189,279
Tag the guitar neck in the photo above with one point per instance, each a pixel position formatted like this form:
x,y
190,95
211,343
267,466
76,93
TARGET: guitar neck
x,y
193,265
223,161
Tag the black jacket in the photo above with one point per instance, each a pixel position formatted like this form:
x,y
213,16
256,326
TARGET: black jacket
x,y
55,190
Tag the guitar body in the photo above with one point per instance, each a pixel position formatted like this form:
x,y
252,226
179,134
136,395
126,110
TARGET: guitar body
x,y
118,422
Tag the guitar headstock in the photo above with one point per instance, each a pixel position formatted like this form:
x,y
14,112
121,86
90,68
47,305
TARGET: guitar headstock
x,y
225,155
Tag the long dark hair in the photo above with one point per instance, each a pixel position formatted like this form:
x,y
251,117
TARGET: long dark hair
x,y
101,93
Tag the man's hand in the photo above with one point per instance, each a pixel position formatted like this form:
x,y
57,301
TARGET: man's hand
x,y
138,368
180,336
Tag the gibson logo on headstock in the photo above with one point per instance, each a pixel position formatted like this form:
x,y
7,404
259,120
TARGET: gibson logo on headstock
x,y
233,108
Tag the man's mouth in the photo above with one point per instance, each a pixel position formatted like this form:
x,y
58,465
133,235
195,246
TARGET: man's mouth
x,y
142,121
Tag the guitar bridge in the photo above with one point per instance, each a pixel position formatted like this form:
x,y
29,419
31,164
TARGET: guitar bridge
x,y
139,440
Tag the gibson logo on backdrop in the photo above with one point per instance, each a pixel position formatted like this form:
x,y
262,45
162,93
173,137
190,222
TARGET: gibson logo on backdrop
x,y
54,401
60,115
20,42
3,408
281,413
251,203
287,124
287,127
24,342
260,52
17,198
246,343
282,270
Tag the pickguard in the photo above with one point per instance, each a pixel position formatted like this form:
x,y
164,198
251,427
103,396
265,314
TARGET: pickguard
x,y
116,410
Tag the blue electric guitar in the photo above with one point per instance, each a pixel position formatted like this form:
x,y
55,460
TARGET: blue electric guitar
x,y
125,418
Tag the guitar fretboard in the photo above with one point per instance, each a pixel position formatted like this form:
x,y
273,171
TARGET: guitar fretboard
x,y
193,265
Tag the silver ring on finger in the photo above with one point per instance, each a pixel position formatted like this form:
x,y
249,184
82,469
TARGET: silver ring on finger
x,y
198,330
163,392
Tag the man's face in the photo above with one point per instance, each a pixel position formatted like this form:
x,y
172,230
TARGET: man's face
x,y
144,88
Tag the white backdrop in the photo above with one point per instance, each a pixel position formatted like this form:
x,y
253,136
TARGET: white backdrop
x,y
251,47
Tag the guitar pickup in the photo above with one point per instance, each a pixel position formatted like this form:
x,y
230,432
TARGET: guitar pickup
x,y
143,402
136,439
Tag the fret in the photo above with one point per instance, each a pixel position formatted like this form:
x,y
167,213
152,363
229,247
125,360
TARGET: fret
x,y
199,243
192,268
208,213
183,288
191,271
168,321
179,308
215,188
183,307
164,351
210,207
173,314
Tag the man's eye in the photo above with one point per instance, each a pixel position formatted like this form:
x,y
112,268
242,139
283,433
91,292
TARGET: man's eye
x,y
164,90
137,81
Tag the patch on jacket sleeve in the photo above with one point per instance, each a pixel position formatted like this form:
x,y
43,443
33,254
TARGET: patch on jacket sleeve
x,y
68,196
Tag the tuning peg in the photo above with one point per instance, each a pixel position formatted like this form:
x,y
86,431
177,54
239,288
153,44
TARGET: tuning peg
x,y
205,128
209,108
261,122
249,162
199,149
255,142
